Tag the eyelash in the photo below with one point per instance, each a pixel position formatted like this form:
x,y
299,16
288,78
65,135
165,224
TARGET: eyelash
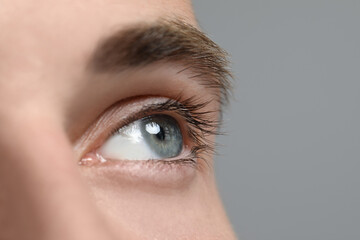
x,y
199,125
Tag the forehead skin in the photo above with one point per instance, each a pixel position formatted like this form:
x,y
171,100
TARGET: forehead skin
x,y
44,47
52,38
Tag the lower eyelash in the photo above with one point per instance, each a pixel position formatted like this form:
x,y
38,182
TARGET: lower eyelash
x,y
183,161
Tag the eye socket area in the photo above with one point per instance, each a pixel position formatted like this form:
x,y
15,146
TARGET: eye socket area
x,y
154,137
194,118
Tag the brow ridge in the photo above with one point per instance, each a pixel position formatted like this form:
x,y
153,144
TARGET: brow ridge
x,y
166,40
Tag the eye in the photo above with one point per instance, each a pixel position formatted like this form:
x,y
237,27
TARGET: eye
x,y
153,137
151,128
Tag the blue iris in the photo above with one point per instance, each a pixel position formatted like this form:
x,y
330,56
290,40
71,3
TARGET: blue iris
x,y
163,135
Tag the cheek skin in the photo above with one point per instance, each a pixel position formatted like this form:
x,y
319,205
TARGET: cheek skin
x,y
40,185
189,209
188,213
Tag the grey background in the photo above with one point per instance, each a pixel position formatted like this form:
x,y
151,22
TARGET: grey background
x,y
290,166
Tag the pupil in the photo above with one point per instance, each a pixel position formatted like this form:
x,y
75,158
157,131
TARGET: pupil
x,y
161,134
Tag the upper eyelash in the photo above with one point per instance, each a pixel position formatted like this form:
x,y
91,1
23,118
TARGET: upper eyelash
x,y
200,124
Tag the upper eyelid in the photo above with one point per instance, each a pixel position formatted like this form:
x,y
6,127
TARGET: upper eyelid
x,y
143,112
189,109
200,122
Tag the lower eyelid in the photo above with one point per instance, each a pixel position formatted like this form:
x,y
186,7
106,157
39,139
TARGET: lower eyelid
x,y
97,135
143,174
186,157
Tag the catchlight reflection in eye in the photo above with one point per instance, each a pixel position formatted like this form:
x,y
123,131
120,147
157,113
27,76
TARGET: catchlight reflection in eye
x,y
151,138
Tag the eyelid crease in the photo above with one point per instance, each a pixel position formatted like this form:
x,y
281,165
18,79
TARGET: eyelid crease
x,y
170,40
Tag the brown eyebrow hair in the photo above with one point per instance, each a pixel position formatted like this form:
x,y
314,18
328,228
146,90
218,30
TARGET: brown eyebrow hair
x,y
170,41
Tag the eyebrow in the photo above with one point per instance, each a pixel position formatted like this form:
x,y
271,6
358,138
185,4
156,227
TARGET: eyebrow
x,y
176,41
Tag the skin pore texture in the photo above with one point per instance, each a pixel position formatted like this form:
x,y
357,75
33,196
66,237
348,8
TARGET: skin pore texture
x,y
56,112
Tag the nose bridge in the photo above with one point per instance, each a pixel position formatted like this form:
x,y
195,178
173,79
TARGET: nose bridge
x,y
41,193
